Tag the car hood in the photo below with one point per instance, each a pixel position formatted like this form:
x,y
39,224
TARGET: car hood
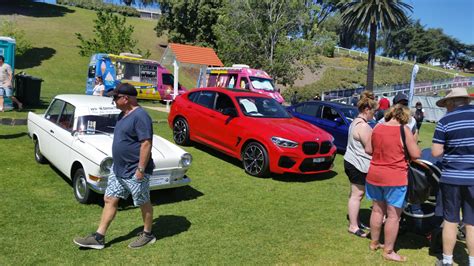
x,y
292,128
164,153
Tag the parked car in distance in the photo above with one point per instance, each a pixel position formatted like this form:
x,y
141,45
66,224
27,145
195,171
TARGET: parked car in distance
x,y
75,135
333,117
253,128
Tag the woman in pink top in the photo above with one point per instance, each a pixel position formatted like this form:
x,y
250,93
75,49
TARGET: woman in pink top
x,y
386,183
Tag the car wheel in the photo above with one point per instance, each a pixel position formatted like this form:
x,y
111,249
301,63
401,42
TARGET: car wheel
x,y
255,160
82,192
181,132
38,156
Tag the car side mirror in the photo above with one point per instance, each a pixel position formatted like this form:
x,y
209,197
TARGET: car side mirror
x,y
230,112
339,120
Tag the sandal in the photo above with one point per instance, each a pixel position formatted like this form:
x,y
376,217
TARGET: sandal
x,y
375,247
392,256
359,232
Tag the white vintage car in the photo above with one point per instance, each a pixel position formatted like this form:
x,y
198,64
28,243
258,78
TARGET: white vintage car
x,y
75,135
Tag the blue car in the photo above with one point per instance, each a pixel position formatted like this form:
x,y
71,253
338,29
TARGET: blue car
x,y
335,118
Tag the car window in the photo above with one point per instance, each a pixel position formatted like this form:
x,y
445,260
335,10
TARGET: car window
x,y
94,124
66,119
206,99
224,102
193,96
329,113
244,83
231,82
310,109
350,113
262,107
54,110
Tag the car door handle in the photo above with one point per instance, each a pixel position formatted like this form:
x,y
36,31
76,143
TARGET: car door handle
x,y
51,131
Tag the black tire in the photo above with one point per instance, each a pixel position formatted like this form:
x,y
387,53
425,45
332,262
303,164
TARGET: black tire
x,y
82,192
255,160
181,132
38,156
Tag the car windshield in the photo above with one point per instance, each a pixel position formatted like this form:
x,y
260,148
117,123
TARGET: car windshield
x,y
350,113
262,84
262,107
97,124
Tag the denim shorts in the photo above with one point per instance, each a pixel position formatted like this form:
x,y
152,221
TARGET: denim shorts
x,y
394,196
118,187
6,92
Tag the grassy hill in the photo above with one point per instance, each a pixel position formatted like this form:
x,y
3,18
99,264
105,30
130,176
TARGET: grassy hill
x,y
54,57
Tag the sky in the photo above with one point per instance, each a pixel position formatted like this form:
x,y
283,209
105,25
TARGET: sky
x,y
455,17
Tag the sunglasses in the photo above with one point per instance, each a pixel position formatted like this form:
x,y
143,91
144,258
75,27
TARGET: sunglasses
x,y
116,97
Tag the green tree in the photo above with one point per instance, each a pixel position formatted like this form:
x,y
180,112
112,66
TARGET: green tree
x,y
371,15
10,29
266,34
189,21
111,35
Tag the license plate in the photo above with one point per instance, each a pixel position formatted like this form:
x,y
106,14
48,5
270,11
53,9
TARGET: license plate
x,y
159,181
319,160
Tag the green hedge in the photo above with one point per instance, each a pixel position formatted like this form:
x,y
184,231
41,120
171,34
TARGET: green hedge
x,y
99,5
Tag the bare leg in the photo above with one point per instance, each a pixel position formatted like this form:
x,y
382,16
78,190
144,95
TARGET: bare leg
x,y
353,206
391,229
108,214
376,218
470,239
18,103
449,237
147,215
1,104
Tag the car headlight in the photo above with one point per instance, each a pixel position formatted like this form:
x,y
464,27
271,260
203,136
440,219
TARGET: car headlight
x,y
285,143
332,140
106,166
186,160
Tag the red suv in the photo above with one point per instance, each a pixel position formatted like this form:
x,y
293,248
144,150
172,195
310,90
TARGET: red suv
x,y
253,128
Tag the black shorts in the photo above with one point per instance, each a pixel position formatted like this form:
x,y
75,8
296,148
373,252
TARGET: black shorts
x,y
355,176
455,198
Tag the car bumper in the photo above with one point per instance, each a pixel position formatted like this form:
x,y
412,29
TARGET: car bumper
x,y
296,163
161,179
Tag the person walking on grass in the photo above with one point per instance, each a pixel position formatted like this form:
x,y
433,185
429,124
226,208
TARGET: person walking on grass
x,y
6,77
453,139
387,178
132,166
356,159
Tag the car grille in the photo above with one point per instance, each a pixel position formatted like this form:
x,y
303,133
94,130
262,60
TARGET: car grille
x,y
308,166
310,148
325,147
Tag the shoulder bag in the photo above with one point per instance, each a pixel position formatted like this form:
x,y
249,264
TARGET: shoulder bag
x,y
419,186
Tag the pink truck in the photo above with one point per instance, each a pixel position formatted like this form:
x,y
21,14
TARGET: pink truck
x,y
243,77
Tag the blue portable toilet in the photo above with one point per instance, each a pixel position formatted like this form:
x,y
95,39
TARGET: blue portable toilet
x,y
7,50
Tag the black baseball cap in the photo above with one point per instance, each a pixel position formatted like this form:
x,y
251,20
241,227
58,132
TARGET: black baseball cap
x,y
124,89
400,97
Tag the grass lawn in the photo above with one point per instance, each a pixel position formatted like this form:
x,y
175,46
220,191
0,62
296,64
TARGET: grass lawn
x,y
223,217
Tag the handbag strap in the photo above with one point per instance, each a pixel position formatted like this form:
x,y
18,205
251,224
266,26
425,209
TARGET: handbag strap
x,y
402,134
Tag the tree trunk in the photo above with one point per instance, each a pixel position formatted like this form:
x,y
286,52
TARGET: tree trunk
x,y
371,61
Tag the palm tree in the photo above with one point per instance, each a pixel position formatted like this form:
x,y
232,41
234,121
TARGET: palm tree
x,y
370,15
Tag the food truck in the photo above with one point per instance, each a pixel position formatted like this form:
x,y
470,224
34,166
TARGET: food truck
x,y
152,80
243,77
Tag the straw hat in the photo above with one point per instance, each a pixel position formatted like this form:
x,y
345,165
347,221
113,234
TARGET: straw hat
x,y
454,93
